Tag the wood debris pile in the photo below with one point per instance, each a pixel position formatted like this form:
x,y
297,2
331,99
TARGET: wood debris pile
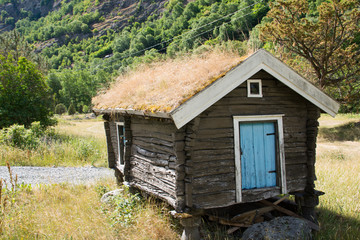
x,y
245,215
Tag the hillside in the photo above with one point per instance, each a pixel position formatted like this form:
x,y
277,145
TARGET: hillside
x,y
88,43
82,19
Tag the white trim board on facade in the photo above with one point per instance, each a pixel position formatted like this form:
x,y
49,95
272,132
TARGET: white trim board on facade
x,y
280,138
261,60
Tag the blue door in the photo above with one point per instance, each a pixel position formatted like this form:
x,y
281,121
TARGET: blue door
x,y
258,154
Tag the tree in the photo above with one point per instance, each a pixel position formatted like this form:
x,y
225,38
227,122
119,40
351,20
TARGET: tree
x,y
71,109
13,43
60,109
24,95
326,38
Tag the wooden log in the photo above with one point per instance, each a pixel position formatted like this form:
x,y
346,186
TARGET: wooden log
x,y
162,172
210,145
214,200
146,133
153,161
157,193
242,217
208,157
216,122
154,182
128,147
296,184
110,149
254,195
296,171
153,147
290,213
156,141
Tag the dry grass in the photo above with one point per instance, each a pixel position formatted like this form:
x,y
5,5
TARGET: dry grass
x,y
163,86
56,212
337,169
75,212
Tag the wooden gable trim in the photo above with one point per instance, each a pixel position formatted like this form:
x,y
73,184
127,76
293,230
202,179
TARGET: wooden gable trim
x,y
261,60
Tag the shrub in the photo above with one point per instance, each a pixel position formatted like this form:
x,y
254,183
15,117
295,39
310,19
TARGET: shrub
x,y
85,109
18,136
71,109
60,109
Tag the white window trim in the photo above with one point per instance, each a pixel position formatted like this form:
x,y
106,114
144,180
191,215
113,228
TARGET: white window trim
x,y
249,94
258,118
118,143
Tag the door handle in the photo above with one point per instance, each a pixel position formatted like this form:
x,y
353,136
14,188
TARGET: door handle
x,y
273,171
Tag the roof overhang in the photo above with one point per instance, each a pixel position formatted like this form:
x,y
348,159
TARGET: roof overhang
x,y
122,111
261,60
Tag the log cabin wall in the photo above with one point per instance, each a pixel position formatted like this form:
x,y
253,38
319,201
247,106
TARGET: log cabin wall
x,y
157,157
211,158
111,139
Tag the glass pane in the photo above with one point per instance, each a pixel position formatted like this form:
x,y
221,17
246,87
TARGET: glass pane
x,y
254,88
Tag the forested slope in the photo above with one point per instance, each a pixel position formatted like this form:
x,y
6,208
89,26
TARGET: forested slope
x,y
86,43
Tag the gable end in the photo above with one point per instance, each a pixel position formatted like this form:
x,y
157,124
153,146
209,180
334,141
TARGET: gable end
x,y
261,60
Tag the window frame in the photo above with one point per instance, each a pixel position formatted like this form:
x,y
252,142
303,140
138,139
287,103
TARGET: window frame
x,y
249,82
121,152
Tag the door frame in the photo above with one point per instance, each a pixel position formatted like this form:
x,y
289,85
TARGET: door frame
x,y
277,118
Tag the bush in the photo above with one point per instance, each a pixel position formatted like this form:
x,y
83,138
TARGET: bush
x,y
71,109
85,109
60,109
25,138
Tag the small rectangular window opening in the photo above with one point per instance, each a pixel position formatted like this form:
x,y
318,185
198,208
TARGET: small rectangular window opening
x,y
121,142
254,88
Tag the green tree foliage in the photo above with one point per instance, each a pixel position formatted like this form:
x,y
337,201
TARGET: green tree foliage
x,y
14,43
71,109
24,95
326,38
60,109
84,60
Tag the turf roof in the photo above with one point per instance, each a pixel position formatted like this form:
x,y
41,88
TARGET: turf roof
x,y
163,86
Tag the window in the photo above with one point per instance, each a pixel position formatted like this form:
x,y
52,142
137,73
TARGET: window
x,y
254,88
121,142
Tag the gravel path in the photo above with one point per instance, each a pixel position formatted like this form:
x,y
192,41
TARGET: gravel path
x,y
49,175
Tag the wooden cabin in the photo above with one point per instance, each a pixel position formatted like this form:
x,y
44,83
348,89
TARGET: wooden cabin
x,y
247,134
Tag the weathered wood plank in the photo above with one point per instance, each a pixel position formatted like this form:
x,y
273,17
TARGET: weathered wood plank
x,y
254,195
213,183
214,200
149,134
198,157
296,171
153,140
155,192
153,147
154,181
296,184
161,172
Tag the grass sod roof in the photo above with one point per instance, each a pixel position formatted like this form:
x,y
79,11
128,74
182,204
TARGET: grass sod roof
x,y
163,86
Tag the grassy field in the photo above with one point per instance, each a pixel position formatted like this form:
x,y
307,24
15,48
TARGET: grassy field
x,y
338,173
76,141
75,212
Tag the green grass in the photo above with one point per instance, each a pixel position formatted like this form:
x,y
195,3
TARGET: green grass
x,y
77,142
